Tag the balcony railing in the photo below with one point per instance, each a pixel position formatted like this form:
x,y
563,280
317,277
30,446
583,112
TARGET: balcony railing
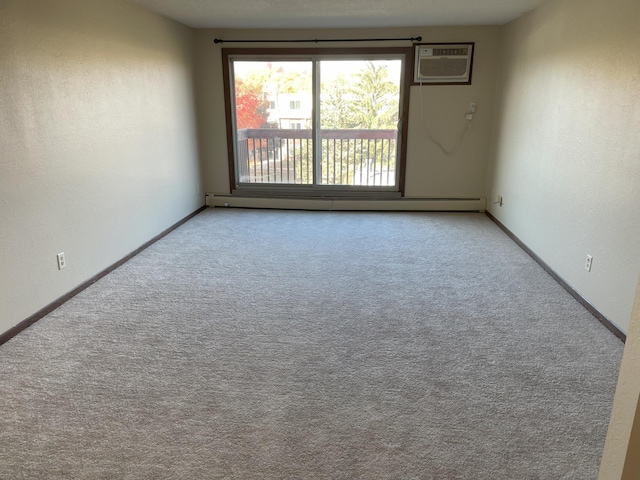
x,y
349,157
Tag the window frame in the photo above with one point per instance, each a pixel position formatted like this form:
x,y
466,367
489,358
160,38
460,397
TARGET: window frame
x,y
406,54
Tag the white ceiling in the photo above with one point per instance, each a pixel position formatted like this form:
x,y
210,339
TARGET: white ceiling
x,y
338,13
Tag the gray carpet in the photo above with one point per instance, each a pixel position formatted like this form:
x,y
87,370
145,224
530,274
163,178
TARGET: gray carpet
x,y
313,345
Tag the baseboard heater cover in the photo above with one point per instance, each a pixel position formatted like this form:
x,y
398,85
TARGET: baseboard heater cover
x,y
349,204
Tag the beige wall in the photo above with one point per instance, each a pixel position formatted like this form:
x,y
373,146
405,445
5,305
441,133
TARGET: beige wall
x,y
621,457
566,156
430,174
98,151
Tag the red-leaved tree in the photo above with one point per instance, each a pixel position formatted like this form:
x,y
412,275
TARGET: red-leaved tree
x,y
251,107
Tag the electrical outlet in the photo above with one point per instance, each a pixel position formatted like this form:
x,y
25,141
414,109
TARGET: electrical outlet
x,y
197,188
588,263
497,199
472,107
61,261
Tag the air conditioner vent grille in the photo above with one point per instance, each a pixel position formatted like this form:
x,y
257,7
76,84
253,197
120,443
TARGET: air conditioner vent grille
x,y
445,67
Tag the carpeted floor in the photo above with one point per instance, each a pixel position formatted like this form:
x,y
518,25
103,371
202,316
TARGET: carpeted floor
x,y
313,345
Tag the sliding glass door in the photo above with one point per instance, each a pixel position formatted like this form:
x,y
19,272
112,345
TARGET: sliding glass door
x,y
316,122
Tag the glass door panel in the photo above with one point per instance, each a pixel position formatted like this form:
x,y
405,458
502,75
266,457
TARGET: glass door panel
x,y
273,122
359,113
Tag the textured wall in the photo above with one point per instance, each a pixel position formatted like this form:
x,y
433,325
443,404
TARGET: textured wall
x,y
98,150
430,174
567,149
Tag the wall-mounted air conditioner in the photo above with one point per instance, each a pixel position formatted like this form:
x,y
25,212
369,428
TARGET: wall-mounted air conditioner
x,y
443,63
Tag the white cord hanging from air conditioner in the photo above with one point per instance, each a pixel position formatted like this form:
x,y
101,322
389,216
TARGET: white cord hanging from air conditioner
x,y
468,119
444,64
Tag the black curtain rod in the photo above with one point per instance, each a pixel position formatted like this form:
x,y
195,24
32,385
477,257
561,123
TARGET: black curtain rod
x,y
316,40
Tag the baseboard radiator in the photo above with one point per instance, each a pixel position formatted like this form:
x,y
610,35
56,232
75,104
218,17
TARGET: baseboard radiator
x,y
346,204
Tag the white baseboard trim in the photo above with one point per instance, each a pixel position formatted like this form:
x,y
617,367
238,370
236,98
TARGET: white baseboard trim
x,y
344,204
